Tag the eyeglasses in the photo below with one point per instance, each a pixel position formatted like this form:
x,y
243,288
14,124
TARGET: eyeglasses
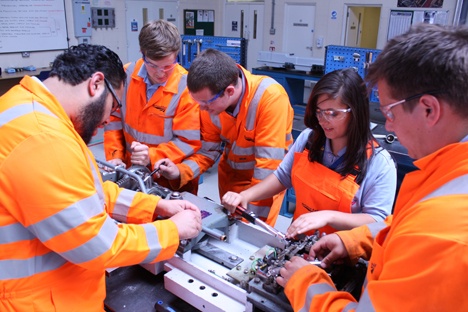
x,y
214,98
114,95
158,68
386,109
332,115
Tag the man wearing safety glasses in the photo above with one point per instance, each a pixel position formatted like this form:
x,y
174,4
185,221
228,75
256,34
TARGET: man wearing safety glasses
x,y
249,115
158,118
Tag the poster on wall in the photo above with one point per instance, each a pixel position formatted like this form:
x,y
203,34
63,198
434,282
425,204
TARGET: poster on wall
x,y
420,3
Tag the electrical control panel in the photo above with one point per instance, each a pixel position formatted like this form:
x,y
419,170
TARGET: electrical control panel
x,y
82,18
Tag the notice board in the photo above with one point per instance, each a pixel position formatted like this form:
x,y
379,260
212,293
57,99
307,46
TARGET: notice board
x,y
199,22
32,25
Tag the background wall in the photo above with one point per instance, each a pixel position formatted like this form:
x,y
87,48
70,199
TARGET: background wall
x,y
331,29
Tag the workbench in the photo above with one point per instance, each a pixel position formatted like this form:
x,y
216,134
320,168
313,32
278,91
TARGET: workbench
x,y
134,289
293,81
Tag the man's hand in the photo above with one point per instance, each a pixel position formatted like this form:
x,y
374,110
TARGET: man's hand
x,y
330,249
116,162
231,200
188,221
167,169
140,154
168,208
290,267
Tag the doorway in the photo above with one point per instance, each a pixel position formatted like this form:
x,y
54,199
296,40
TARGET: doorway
x,y
362,26
245,20
299,21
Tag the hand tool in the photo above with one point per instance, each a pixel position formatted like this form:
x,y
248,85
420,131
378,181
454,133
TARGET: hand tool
x,y
252,218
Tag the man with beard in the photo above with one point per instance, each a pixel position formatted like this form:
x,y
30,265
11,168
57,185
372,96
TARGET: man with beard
x,y
58,228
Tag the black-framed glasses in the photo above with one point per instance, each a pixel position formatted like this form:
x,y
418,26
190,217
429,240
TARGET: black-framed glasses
x,y
114,95
332,115
214,98
159,68
386,109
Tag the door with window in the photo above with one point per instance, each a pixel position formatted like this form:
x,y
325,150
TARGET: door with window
x,y
245,21
138,13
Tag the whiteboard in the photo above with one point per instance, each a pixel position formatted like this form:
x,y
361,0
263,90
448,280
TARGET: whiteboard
x,y
32,25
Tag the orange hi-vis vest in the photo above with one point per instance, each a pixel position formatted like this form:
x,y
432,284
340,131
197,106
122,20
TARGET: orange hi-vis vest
x,y
169,122
58,228
418,258
254,142
320,188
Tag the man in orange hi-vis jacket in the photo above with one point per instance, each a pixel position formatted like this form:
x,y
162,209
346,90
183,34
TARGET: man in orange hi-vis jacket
x,y
418,259
158,118
60,225
246,122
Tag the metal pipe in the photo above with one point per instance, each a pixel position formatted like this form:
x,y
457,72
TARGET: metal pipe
x,y
214,233
123,170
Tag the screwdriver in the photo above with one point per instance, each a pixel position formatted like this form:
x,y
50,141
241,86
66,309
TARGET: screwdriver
x,y
157,169
252,218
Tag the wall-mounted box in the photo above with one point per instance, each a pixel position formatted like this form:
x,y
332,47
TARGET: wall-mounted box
x,y
82,18
103,17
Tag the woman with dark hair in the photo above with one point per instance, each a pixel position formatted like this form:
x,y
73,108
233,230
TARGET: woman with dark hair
x,y
341,176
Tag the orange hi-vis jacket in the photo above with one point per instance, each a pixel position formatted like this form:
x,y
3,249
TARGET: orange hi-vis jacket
x,y
254,142
321,188
58,228
418,259
169,123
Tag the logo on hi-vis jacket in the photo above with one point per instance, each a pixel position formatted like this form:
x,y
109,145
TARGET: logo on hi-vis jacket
x,y
308,208
160,108
372,267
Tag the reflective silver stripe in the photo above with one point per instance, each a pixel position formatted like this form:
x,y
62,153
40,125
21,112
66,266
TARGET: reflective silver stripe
x,y
122,205
150,138
21,110
376,227
456,186
210,149
315,289
193,166
365,303
262,173
269,152
260,211
188,134
115,125
184,147
96,246
153,242
241,166
11,269
244,151
67,219
171,108
211,146
215,120
350,306
13,233
252,113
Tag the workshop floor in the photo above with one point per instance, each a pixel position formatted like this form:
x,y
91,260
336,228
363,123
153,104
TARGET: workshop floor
x,y
209,187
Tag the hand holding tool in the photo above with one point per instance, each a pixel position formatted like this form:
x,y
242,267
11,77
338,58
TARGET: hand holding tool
x,y
157,169
252,218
